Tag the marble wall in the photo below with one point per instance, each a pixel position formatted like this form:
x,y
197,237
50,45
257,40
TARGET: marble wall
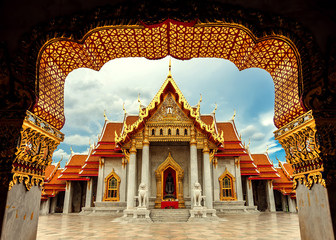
x,y
223,163
22,213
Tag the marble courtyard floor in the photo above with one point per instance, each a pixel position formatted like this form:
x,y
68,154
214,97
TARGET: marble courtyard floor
x,y
248,226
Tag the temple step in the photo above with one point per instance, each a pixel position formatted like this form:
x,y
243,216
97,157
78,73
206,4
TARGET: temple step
x,y
170,215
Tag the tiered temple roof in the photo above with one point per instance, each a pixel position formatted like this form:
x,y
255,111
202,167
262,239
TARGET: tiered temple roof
x,y
247,165
265,167
232,145
91,165
73,167
52,185
285,183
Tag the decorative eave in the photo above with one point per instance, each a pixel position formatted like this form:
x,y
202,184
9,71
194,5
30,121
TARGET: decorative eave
x,y
145,113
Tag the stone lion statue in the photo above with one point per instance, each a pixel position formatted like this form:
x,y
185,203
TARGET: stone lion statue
x,y
197,194
142,195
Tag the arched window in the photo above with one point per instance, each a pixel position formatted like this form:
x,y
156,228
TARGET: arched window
x,y
112,182
177,132
227,186
169,131
185,132
153,132
161,132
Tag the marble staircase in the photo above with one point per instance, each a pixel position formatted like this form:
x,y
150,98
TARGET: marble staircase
x,y
169,215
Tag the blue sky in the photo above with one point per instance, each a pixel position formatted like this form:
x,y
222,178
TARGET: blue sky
x,y
88,93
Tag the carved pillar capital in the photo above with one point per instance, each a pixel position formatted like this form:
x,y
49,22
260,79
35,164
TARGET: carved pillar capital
x,y
145,136
206,146
133,146
193,136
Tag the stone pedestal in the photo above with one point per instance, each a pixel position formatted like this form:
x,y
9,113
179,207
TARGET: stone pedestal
x,y
21,213
270,196
249,192
88,198
198,212
141,213
291,204
67,206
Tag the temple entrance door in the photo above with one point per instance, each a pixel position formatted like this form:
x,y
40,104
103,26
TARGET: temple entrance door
x,y
169,184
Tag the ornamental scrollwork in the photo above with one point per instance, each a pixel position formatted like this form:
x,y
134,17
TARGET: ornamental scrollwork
x,y
36,144
309,180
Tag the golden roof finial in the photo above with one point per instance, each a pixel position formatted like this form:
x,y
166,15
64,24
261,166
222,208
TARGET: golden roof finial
x,y
234,114
248,145
267,149
124,108
105,115
139,101
72,152
214,111
169,73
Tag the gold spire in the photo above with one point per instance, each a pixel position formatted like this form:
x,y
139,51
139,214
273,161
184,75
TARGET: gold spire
x,y
267,149
214,111
124,108
72,152
105,115
139,101
234,115
169,73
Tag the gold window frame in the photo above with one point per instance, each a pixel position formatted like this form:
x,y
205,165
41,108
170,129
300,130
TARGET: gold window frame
x,y
233,186
107,179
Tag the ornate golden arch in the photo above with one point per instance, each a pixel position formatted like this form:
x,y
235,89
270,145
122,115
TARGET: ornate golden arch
x,y
106,198
169,162
233,182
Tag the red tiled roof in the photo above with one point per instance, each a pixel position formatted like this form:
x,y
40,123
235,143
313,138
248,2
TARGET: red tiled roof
x,y
283,184
73,167
207,119
131,119
55,185
48,171
265,167
109,129
90,167
247,166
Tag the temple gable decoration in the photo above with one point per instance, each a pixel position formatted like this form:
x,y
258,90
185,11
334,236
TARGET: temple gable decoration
x,y
169,102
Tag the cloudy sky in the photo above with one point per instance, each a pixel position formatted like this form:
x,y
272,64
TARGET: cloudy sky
x,y
88,93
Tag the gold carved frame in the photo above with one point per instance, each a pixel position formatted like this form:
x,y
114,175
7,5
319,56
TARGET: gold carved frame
x,y
105,198
169,162
233,186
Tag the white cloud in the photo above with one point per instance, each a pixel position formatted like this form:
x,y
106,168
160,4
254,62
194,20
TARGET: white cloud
x,y
77,140
59,154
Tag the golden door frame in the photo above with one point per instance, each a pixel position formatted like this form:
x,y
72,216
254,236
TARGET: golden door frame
x,y
169,162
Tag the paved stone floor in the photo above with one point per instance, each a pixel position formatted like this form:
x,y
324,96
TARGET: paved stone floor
x,y
248,226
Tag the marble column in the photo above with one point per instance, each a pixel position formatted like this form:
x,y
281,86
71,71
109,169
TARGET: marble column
x,y
53,204
270,196
45,206
123,185
284,203
291,204
145,160
193,163
100,181
207,188
249,192
238,180
131,180
88,198
67,206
